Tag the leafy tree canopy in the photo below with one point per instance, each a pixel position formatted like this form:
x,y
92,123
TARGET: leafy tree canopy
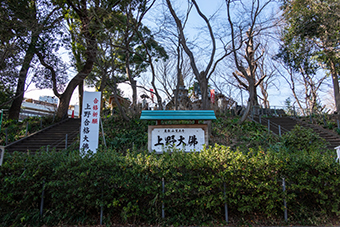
x,y
315,23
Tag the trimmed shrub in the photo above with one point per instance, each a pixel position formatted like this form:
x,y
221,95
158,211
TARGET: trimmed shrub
x,y
129,187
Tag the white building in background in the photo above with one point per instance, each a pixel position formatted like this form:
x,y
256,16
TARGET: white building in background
x,y
46,105
49,99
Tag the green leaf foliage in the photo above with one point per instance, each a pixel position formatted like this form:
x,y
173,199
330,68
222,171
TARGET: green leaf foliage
x,y
311,34
129,187
122,135
301,138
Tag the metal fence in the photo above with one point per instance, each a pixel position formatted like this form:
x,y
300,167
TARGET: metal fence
x,y
324,119
163,213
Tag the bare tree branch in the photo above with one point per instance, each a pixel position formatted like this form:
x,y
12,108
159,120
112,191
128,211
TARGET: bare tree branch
x,y
53,73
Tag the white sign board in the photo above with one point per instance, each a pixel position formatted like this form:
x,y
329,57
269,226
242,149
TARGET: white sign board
x,y
188,138
2,154
89,130
337,153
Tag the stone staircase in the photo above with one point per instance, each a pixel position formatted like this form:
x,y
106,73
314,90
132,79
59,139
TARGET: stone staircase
x,y
53,136
287,123
331,137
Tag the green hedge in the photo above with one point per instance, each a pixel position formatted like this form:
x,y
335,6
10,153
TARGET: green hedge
x,y
129,187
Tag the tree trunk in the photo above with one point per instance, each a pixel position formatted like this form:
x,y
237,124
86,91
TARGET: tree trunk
x,y
121,110
335,86
81,92
133,82
134,93
295,95
102,87
159,98
246,113
255,100
179,71
204,91
90,56
64,102
14,110
252,101
64,99
176,93
265,95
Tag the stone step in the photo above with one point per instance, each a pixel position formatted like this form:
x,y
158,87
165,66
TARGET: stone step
x,y
287,123
54,136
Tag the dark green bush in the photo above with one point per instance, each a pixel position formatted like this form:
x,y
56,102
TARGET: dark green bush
x,y
301,138
227,131
129,187
125,135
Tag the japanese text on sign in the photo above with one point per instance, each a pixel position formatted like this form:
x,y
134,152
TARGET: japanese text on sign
x,y
89,132
187,139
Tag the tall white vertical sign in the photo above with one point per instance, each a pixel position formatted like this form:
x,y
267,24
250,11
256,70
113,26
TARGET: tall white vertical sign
x,y
89,130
